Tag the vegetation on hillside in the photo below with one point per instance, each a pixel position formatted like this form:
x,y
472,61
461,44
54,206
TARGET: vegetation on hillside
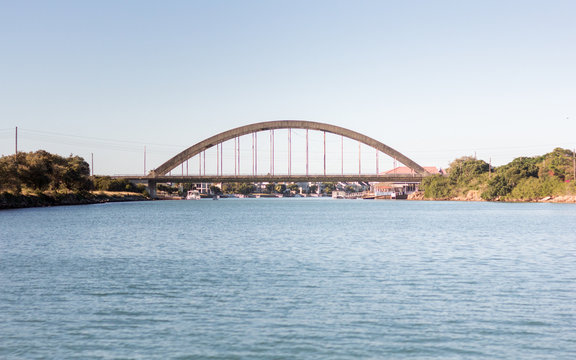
x,y
41,171
523,179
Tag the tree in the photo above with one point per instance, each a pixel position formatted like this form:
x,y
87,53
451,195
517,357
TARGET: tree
x,y
294,188
497,186
270,187
280,188
9,180
246,188
465,168
328,187
349,189
167,188
229,188
36,170
437,187
509,175
76,174
215,190
238,188
312,189
558,163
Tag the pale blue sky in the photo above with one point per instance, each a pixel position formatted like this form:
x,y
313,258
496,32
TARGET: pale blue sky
x,y
433,79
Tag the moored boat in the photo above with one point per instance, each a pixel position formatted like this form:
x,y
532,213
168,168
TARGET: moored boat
x,y
193,195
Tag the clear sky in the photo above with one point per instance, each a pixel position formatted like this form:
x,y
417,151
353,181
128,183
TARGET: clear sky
x,y
435,80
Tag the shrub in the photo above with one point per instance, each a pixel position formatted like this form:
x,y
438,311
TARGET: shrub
x,y
437,187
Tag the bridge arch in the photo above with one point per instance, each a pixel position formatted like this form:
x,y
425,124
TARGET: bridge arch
x,y
283,124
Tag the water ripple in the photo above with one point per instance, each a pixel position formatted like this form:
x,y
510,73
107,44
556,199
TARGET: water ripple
x,y
273,279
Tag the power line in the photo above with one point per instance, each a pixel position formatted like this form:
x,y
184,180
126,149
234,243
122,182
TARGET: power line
x,y
42,132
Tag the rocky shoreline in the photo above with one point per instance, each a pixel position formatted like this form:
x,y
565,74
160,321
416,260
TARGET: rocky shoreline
x,y
474,195
11,201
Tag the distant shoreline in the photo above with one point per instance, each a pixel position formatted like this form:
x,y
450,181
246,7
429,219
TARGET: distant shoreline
x,y
9,201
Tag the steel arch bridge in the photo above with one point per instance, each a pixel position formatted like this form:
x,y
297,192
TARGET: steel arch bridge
x,y
160,174
283,124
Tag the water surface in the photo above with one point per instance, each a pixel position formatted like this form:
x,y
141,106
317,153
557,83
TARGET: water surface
x,y
289,279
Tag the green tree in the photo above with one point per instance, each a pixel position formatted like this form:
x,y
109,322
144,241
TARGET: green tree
x,y
349,189
238,188
270,187
36,170
76,174
228,188
558,163
437,187
328,187
464,169
498,186
106,183
509,175
294,188
40,171
246,188
9,180
166,188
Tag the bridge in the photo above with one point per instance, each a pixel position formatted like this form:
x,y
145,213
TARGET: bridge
x,y
279,149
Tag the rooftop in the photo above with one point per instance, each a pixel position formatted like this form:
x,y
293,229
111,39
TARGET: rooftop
x,y
404,170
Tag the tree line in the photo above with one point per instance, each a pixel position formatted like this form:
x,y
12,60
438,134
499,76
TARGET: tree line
x,y
524,178
41,171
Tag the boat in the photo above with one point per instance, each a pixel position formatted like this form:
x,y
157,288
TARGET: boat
x,y
193,195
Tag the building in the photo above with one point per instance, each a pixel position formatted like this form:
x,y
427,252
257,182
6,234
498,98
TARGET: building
x,y
397,190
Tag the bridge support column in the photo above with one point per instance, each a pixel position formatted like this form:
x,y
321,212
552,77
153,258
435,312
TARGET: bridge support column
x,y
152,188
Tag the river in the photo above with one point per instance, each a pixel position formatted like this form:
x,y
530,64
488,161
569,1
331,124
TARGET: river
x,y
289,279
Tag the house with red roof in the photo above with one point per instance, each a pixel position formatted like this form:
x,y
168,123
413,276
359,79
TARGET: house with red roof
x,y
400,190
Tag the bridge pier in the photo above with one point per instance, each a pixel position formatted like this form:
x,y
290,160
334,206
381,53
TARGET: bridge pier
x,y
152,188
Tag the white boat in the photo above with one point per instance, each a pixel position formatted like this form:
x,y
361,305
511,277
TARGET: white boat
x,y
193,195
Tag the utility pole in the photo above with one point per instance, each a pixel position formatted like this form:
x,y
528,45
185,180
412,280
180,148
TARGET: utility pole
x,y
490,168
377,172
144,160
324,153
342,154
18,184
289,151
255,144
359,158
92,163
306,152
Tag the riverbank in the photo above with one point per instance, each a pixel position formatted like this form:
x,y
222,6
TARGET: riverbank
x,y
474,195
11,201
